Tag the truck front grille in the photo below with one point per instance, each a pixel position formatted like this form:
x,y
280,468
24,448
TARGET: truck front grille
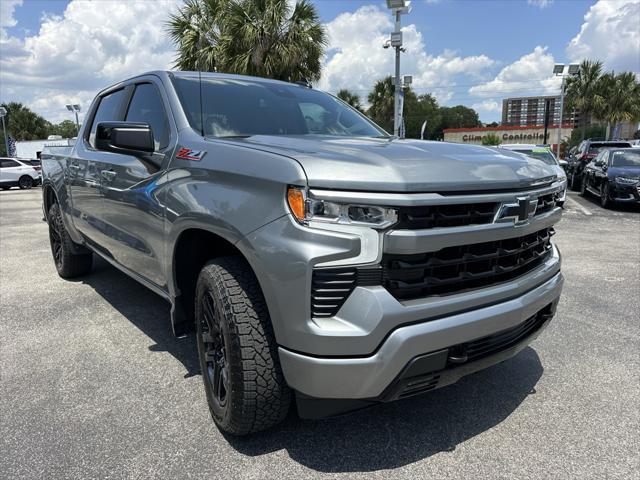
x,y
435,216
455,269
546,203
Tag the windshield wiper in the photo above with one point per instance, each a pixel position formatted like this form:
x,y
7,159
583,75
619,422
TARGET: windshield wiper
x,y
234,136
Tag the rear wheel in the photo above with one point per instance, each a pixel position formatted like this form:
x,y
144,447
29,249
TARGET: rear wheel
x,y
243,381
69,263
25,182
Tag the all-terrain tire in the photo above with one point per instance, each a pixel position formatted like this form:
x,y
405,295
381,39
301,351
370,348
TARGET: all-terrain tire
x,y
71,260
256,395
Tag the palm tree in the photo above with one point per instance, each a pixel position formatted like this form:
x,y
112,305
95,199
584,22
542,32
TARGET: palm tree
x,y
584,91
381,100
252,37
350,97
195,31
622,94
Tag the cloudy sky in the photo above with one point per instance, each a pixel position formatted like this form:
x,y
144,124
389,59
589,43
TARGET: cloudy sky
x,y
473,53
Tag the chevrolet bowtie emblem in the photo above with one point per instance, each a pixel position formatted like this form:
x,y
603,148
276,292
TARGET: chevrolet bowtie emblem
x,y
519,212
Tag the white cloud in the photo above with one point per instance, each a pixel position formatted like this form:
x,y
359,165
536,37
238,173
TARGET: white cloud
x,y
611,33
7,7
529,75
487,106
540,3
356,59
89,47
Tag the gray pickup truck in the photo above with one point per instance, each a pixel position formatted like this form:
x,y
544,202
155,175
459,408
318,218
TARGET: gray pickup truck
x,y
315,257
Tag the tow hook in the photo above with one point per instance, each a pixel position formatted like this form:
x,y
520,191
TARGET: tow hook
x,y
458,354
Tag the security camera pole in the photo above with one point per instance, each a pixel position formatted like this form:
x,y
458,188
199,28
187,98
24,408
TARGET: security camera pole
x,y
558,70
397,7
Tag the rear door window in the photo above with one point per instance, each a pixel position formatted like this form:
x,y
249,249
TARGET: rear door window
x,y
108,111
8,163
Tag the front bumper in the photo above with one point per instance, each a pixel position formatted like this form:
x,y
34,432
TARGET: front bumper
x,y
361,350
369,376
624,193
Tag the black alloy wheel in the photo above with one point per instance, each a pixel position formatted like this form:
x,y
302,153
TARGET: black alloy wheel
x,y
605,199
70,259
55,237
213,344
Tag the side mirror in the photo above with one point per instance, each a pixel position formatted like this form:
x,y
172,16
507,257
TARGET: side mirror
x,y
125,137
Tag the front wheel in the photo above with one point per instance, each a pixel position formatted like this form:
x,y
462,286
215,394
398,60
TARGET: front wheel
x,y
243,381
605,196
574,183
25,182
583,187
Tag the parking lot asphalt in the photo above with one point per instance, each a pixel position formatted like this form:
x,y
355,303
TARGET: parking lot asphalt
x,y
93,385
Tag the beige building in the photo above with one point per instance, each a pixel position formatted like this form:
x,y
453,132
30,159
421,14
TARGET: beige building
x,y
515,134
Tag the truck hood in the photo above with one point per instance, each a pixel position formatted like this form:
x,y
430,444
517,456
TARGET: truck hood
x,y
379,164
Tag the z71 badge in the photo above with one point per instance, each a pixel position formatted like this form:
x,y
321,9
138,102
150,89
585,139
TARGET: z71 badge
x,y
188,154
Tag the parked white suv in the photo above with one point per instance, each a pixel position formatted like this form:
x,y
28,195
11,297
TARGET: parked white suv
x,y
14,173
544,153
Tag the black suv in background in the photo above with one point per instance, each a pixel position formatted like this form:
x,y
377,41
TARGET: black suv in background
x,y
587,151
614,176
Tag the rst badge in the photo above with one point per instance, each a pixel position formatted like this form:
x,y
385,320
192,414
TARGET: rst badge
x,y
188,154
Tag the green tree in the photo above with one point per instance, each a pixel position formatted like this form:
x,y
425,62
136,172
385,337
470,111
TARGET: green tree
x,y
251,37
350,97
419,109
584,92
381,103
591,131
66,128
491,140
22,124
622,99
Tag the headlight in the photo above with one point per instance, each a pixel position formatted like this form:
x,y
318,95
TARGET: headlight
x,y
627,180
307,210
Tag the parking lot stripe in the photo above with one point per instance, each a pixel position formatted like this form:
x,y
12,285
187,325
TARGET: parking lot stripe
x,y
583,209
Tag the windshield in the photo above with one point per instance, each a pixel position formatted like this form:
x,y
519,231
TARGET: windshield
x,y
541,154
625,159
239,108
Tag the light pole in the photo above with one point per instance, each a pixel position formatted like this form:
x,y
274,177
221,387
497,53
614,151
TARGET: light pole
x,y
3,113
397,7
75,108
558,70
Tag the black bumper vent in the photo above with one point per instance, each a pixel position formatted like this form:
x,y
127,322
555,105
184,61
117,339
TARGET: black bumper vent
x,y
330,287
435,216
454,269
499,341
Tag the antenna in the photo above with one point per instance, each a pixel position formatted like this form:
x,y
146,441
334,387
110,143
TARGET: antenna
x,y
201,114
